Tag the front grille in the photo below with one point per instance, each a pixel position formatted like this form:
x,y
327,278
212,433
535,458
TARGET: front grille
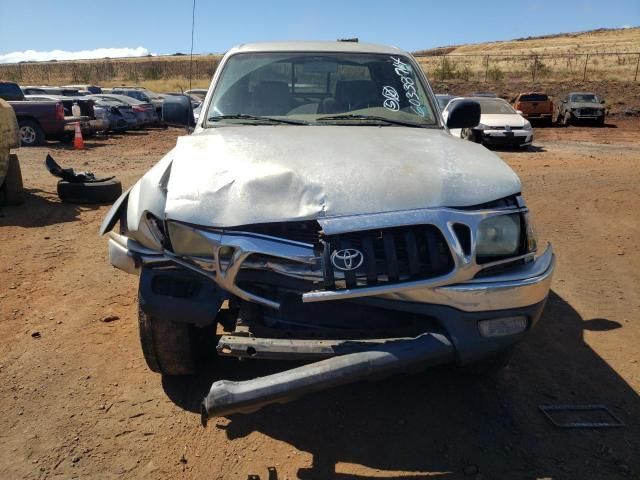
x,y
304,231
391,255
588,111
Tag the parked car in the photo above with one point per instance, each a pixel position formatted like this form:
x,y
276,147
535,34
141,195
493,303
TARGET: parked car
x,y
89,124
85,88
37,121
340,222
198,92
443,100
145,111
120,115
11,190
577,107
44,90
534,106
142,94
195,100
500,125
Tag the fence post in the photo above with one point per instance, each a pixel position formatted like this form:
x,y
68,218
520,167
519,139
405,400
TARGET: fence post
x,y
486,69
584,74
637,65
535,67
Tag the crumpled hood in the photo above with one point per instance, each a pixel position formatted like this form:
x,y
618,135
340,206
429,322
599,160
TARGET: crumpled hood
x,y
240,175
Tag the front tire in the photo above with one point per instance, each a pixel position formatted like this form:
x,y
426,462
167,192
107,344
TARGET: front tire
x,y
169,348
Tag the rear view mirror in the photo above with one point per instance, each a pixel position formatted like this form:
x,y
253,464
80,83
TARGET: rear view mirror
x,y
464,114
177,111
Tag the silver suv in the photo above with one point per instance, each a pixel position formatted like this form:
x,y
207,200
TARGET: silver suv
x,y
320,211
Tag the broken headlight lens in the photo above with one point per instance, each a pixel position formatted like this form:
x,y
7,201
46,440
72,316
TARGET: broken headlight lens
x,y
498,236
188,241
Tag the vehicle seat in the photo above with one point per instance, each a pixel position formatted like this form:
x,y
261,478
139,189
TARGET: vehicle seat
x,y
272,98
352,95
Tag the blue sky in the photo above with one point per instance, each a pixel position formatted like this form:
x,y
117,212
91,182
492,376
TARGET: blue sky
x,y
163,26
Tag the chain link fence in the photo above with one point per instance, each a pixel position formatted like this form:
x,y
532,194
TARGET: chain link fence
x,y
495,68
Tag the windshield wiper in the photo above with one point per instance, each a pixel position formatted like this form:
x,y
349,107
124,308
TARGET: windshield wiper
x,y
375,118
242,116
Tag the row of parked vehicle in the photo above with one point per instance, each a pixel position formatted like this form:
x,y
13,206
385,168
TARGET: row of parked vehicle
x,y
508,124
52,112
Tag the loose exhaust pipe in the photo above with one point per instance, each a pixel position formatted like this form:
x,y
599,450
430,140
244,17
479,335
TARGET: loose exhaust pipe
x,y
227,397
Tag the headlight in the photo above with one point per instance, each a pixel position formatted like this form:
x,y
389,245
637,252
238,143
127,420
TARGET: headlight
x,y
527,126
498,236
188,241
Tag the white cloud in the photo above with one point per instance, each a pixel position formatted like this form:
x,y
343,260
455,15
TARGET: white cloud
x,y
39,56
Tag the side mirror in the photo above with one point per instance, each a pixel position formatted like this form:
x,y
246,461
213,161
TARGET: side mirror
x,y
177,111
464,114
602,102
519,112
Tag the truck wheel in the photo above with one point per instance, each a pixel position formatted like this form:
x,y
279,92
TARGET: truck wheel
x,y
106,191
168,347
31,134
12,188
600,122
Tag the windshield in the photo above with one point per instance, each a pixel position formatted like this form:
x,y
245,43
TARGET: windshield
x,y
318,88
584,98
493,107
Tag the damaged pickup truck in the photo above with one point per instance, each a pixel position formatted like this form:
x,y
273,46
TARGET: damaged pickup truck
x,y
321,212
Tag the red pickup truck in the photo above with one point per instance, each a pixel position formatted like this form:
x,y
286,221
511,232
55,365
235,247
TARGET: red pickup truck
x,y
37,120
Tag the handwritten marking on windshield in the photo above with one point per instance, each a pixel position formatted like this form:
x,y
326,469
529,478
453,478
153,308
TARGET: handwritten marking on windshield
x,y
403,71
392,99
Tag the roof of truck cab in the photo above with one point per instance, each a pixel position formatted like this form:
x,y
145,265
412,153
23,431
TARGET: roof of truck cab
x,y
306,46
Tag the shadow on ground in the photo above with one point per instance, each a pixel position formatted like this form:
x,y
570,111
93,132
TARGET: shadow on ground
x,y
442,424
41,208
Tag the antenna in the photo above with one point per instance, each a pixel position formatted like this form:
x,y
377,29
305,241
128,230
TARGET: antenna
x,y
193,22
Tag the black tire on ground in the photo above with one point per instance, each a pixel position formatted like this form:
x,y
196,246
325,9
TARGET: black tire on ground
x,y
168,347
489,365
12,191
31,133
107,191
600,122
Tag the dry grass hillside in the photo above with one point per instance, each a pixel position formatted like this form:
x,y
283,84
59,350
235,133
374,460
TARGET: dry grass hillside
x,y
605,54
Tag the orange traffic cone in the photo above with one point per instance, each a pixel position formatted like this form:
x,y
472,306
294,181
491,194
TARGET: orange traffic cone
x,y
78,142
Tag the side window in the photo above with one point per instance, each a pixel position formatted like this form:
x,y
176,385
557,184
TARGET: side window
x,y
9,91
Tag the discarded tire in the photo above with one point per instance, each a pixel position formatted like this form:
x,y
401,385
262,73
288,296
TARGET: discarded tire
x,y
106,191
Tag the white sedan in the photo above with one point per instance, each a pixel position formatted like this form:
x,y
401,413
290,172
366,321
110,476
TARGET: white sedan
x,y
500,125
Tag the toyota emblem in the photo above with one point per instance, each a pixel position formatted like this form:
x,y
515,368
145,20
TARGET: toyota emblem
x,y
347,259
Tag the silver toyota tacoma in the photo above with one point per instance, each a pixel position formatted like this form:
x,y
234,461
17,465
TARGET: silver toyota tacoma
x,y
321,212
